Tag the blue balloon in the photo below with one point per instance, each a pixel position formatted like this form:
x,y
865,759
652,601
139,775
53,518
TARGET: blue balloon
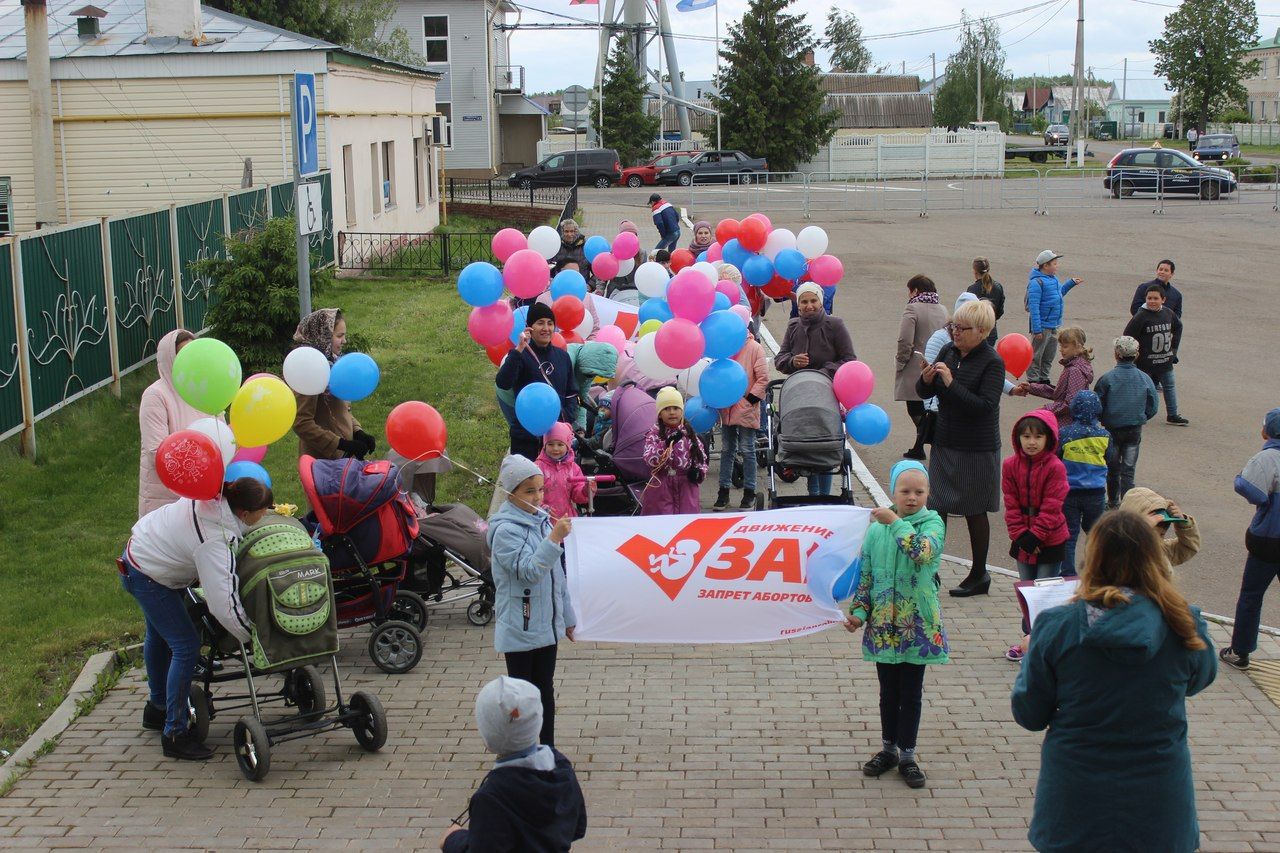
x,y
537,408
758,270
480,284
720,303
245,468
568,283
733,253
847,583
724,332
354,377
702,256
723,383
655,309
867,424
830,579
699,415
594,246
790,264
522,318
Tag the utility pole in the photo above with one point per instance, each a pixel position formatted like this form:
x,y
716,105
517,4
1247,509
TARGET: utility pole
x,y
1035,95
979,63
933,81
1124,101
718,146
1077,94
904,62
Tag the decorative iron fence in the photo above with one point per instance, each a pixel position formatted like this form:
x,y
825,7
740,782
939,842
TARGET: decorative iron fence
x,y
81,305
498,191
439,253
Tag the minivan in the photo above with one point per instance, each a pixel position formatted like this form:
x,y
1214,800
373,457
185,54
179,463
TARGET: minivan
x,y
599,167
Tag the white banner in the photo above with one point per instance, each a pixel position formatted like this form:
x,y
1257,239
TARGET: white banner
x,y
725,578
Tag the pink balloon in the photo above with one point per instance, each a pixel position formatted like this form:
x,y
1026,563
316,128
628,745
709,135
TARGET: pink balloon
x,y
614,337
742,311
625,245
679,344
507,242
525,273
250,454
691,296
491,325
605,266
731,291
826,270
715,252
764,220
853,384
260,375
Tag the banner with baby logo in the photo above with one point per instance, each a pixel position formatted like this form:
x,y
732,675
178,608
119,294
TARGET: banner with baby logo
x,y
731,578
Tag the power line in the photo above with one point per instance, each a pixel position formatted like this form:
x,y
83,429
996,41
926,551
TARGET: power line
x,y
1046,23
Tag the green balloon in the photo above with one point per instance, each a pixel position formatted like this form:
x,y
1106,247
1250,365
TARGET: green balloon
x,y
206,373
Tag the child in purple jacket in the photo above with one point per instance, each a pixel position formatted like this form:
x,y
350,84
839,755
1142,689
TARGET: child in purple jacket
x,y
677,458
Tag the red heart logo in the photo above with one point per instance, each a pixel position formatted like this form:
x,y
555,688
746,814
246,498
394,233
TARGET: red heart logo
x,y
671,565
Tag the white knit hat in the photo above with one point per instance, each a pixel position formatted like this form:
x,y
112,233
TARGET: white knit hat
x,y
509,715
514,471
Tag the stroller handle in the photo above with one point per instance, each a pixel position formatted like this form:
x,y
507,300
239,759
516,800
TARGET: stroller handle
x,y
598,478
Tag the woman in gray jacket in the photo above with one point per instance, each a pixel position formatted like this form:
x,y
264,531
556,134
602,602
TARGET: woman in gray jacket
x,y
920,319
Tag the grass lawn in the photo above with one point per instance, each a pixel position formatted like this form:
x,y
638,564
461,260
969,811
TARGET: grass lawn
x,y
64,518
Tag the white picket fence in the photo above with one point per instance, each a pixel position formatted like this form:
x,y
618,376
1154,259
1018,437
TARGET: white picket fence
x,y
1251,134
936,152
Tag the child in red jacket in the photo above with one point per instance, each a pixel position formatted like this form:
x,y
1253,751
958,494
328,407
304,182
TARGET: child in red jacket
x,y
565,485
1035,485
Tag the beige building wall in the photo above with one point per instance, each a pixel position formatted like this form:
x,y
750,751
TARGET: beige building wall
x,y
1264,89
15,151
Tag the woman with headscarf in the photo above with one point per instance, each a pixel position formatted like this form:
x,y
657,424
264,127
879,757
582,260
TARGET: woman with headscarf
x,y
534,360
160,414
325,426
703,237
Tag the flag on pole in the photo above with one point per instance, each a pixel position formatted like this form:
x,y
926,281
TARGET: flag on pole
x,y
694,5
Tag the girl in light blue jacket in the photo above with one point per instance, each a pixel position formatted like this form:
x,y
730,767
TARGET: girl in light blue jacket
x,y
532,598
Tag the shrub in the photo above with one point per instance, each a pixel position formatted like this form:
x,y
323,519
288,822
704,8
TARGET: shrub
x,y
1039,123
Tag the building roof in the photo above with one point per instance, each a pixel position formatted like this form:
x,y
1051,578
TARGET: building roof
x,y
1268,43
1035,99
1145,91
841,83
1098,94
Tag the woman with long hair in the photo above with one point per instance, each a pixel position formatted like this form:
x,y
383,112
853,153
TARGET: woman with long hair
x,y
1109,674
987,288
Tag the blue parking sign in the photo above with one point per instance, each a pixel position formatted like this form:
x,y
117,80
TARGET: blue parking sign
x,y
305,123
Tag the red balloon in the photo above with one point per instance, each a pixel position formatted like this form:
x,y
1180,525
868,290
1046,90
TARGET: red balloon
x,y
680,259
764,220
190,465
498,353
726,230
752,234
558,340
569,312
416,431
1015,349
778,287
570,337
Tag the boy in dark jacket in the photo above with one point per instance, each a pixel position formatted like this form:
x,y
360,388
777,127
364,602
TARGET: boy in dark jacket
x,y
1158,332
1083,447
1129,400
1259,484
531,800
535,359
1164,278
667,220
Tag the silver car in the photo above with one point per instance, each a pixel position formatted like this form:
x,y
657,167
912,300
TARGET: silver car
x,y
1057,134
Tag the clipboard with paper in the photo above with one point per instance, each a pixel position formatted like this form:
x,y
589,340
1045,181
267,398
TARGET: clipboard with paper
x,y
1034,597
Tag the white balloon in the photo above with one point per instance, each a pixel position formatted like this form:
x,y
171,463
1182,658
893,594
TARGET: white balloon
x,y
545,240
625,266
586,327
707,269
812,242
306,371
647,360
221,435
779,239
651,279
687,380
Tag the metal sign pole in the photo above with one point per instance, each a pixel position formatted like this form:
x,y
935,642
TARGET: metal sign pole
x,y
303,241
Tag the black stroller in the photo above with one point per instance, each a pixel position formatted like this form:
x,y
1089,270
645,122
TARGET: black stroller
x,y
806,437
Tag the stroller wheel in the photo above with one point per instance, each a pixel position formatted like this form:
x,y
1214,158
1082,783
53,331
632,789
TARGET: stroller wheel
x,y
199,711
370,723
305,688
253,748
788,475
409,607
480,611
395,646
759,501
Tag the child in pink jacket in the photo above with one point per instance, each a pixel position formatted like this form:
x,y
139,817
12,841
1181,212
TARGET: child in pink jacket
x,y
564,483
739,425
161,413
677,460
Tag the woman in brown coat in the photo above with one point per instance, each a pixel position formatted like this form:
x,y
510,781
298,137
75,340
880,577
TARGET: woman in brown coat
x,y
325,426
920,319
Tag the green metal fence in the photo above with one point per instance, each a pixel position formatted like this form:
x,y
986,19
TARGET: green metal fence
x,y
10,381
323,247
199,229
142,282
250,210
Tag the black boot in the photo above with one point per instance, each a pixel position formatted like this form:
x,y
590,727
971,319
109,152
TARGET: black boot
x,y
748,500
152,717
722,501
972,586
185,747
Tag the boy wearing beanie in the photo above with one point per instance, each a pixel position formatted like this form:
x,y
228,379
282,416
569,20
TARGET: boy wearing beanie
x,y
1129,400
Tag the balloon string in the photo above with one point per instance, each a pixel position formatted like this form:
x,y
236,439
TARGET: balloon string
x,y
481,477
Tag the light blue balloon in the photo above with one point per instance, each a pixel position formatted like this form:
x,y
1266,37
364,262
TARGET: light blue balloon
x,y
245,468
758,270
724,332
830,579
700,416
723,383
537,408
702,256
568,283
790,264
655,309
521,318
845,585
733,253
867,424
594,246
720,303
354,377
480,284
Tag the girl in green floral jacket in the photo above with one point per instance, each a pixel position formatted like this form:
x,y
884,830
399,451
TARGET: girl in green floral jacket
x,y
897,600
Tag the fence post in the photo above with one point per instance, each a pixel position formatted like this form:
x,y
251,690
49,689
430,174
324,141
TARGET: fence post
x,y
489,184
531,193
110,289
877,157
175,260
24,363
451,189
444,252
226,218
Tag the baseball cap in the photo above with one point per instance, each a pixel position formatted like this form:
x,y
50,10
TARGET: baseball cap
x,y
1126,346
1046,256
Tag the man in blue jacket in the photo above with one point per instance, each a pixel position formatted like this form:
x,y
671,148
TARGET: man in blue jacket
x,y
535,359
667,220
1044,305
1259,484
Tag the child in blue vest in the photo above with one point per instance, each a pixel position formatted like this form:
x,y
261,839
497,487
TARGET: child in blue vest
x,y
1083,445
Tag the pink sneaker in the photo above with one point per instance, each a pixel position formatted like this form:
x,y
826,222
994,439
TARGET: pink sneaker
x,y
1015,653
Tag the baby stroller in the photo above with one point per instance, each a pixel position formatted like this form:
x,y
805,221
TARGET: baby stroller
x,y
285,587
805,437
367,528
620,453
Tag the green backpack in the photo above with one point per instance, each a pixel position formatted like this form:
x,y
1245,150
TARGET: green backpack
x,y
288,594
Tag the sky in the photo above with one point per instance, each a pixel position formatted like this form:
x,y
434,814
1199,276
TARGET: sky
x,y
1038,41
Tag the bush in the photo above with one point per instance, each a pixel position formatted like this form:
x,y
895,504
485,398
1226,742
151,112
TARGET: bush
x,y
1039,123
1235,115
254,300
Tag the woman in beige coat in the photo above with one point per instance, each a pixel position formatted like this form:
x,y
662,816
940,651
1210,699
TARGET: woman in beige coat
x,y
920,319
161,413
325,426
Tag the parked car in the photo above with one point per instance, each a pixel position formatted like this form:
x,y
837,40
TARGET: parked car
x,y
1164,170
647,175
714,166
599,167
1057,134
1216,146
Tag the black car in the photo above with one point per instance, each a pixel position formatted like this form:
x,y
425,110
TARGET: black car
x,y
1216,146
1150,170
599,167
714,166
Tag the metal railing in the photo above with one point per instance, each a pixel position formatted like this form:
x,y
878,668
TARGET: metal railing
x,y
498,191
442,253
508,78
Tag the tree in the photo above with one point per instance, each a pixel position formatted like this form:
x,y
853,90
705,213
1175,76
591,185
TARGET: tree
x,y
626,125
1204,54
770,100
844,39
957,99
358,24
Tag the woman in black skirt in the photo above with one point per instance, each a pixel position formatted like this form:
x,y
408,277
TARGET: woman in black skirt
x,y
964,469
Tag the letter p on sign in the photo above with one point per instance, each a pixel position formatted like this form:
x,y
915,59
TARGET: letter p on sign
x,y
305,134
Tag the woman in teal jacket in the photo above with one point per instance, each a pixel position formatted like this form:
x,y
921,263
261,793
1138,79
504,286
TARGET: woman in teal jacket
x,y
1108,675
897,599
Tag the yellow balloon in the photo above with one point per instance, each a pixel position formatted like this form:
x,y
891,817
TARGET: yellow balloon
x,y
263,411
648,327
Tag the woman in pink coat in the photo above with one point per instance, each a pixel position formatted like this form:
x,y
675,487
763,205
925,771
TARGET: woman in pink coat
x,y
160,414
739,425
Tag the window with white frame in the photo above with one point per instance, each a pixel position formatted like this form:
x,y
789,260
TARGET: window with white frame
x,y
6,206
419,176
446,140
388,174
375,178
349,184
435,38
